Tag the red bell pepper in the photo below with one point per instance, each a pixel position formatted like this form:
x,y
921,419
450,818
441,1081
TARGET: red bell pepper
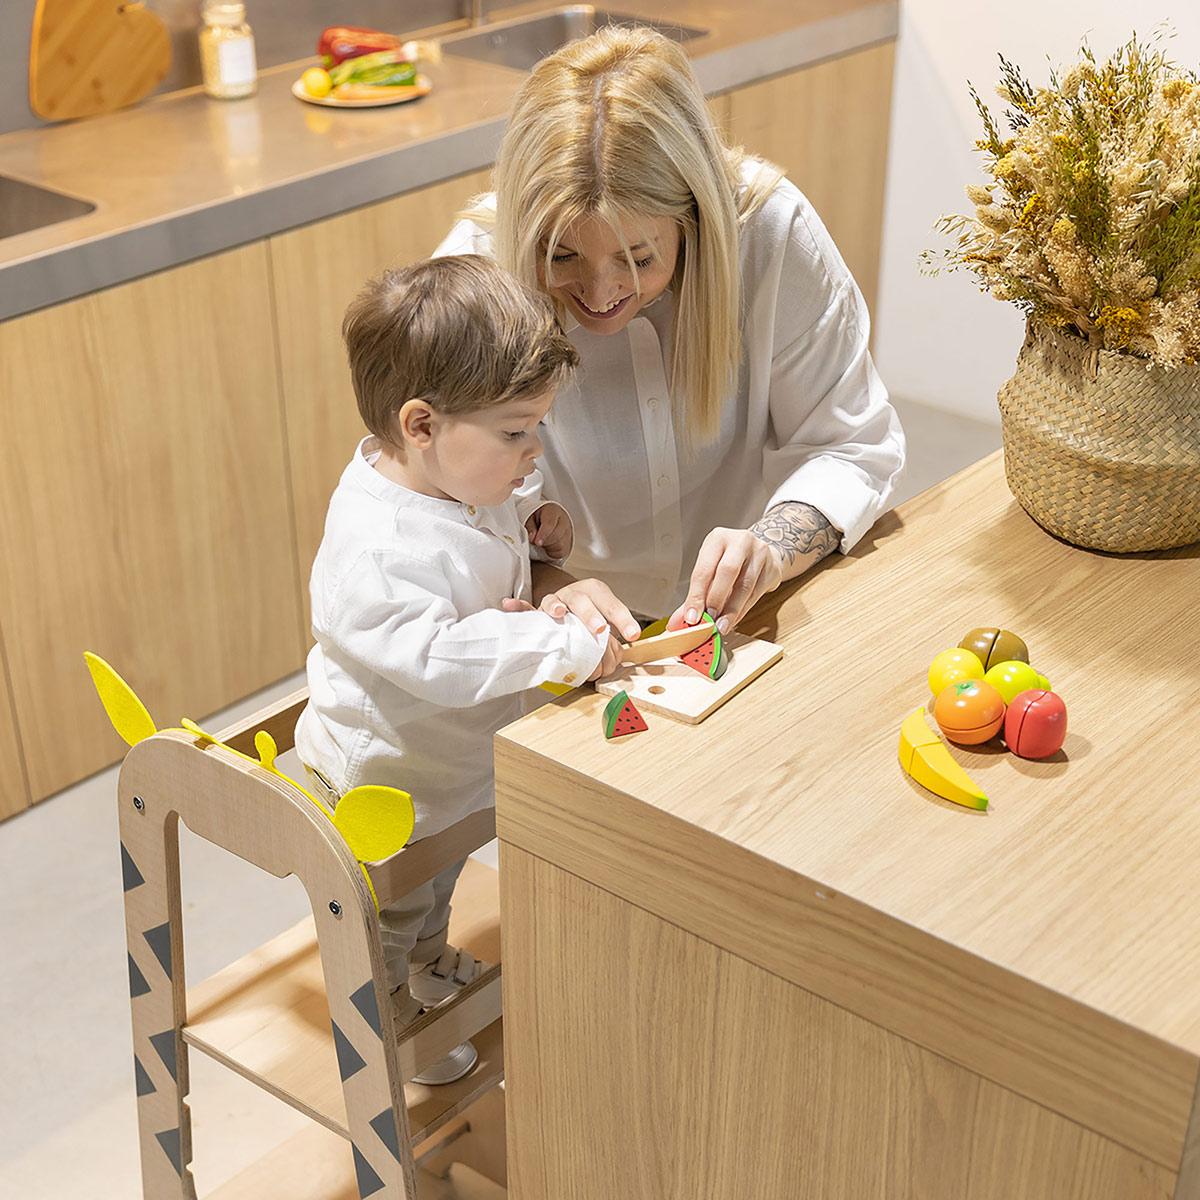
x,y
340,42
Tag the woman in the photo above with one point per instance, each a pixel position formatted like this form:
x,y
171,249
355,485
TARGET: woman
x,y
727,429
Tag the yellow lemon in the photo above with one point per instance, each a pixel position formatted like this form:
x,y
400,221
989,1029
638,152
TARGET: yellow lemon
x,y
953,666
316,82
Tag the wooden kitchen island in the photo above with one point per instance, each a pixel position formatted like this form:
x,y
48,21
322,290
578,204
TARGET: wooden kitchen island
x,y
752,960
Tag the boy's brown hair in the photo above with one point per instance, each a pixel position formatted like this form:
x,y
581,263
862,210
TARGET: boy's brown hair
x,y
460,333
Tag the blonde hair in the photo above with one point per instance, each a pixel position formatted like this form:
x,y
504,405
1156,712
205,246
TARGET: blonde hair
x,y
460,333
616,126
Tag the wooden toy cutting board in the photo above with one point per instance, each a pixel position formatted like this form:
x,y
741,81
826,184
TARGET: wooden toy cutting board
x,y
92,56
674,690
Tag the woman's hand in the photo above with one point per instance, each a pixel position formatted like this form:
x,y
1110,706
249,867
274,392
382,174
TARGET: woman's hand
x,y
556,608
733,569
550,528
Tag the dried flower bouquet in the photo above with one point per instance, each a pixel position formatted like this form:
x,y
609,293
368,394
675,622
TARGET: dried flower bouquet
x,y
1090,220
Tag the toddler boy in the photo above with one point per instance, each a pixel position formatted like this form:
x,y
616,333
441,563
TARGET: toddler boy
x,y
454,363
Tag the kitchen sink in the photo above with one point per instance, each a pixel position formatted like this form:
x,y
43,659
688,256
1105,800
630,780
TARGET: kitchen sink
x,y
522,41
24,206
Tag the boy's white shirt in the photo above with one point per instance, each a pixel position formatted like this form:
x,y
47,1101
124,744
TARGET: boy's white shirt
x,y
415,666
807,419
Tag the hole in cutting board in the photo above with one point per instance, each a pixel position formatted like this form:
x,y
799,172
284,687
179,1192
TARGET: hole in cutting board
x,y
657,689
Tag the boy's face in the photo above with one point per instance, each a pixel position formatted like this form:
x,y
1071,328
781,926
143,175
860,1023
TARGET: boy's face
x,y
482,457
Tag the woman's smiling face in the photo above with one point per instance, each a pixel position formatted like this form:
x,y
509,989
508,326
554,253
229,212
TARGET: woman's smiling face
x,y
590,272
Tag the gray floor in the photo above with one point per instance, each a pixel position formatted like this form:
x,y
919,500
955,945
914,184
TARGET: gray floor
x,y
67,1124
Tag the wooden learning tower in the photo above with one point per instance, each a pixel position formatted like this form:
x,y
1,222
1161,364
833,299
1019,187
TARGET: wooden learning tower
x,y
307,1015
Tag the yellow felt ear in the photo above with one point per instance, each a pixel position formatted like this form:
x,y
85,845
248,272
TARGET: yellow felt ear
x,y
264,743
126,712
375,821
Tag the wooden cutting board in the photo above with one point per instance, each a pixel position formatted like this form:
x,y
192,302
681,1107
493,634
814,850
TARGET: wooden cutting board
x,y
672,689
92,56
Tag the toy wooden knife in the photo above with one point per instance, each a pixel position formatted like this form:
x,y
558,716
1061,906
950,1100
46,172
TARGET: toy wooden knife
x,y
666,645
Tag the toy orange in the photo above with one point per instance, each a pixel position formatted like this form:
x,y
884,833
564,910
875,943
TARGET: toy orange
x,y
969,712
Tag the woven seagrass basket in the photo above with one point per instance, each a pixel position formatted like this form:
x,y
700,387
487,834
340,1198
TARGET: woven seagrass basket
x,y
1101,448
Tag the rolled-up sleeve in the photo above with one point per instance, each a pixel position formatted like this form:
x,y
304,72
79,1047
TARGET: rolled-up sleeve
x,y
836,440
403,626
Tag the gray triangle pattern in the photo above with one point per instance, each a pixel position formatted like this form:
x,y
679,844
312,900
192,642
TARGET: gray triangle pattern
x,y
160,942
131,877
385,1126
137,981
364,1001
368,1182
164,1043
141,1077
169,1141
350,1062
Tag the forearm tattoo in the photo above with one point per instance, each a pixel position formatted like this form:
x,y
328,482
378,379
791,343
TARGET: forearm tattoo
x,y
797,530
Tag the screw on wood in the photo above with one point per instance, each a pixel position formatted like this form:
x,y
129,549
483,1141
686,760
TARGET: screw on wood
x,y
335,908
139,804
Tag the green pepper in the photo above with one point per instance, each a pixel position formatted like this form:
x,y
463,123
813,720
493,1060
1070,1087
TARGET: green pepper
x,y
351,70
393,75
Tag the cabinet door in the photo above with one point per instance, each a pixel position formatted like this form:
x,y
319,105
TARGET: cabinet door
x,y
827,127
143,509
317,271
14,788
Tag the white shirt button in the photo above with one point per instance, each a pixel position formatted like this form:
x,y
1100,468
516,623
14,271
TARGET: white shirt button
x,y
652,403
666,539
509,540
663,480
471,509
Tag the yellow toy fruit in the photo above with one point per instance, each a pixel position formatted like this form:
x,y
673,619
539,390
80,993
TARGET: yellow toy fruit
x,y
316,82
952,666
924,756
1044,683
1012,678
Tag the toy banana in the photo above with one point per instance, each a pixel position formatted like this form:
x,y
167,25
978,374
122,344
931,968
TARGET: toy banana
x,y
374,821
925,757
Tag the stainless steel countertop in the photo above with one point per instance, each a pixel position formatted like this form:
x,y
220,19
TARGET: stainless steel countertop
x,y
182,176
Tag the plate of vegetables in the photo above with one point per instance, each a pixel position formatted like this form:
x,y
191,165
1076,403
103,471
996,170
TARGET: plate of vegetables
x,y
365,68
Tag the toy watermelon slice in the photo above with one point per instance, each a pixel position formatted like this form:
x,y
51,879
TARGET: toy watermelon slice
x,y
620,717
711,659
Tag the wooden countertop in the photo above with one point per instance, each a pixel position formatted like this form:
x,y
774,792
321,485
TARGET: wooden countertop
x,y
1051,943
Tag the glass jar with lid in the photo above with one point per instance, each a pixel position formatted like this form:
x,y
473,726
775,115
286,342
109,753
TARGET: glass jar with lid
x,y
227,58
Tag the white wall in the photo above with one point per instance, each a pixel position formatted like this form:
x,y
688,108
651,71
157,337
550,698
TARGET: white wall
x,y
940,341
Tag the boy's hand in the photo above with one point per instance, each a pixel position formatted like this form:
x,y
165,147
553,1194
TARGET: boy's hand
x,y
550,528
611,660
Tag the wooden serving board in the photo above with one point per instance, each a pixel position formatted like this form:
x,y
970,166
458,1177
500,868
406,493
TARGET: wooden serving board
x,y
92,56
674,690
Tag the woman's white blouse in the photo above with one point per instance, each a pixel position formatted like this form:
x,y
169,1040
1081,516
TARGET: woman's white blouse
x,y
809,420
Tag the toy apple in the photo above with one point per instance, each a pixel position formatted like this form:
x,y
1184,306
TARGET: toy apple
x,y
1012,678
992,645
952,665
969,711
1036,724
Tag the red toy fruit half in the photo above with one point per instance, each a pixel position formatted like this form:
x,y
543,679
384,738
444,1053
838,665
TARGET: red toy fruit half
x,y
1036,724
711,659
620,717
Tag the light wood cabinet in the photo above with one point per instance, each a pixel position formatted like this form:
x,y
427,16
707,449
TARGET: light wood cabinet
x,y
144,506
827,127
702,1074
317,270
14,787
